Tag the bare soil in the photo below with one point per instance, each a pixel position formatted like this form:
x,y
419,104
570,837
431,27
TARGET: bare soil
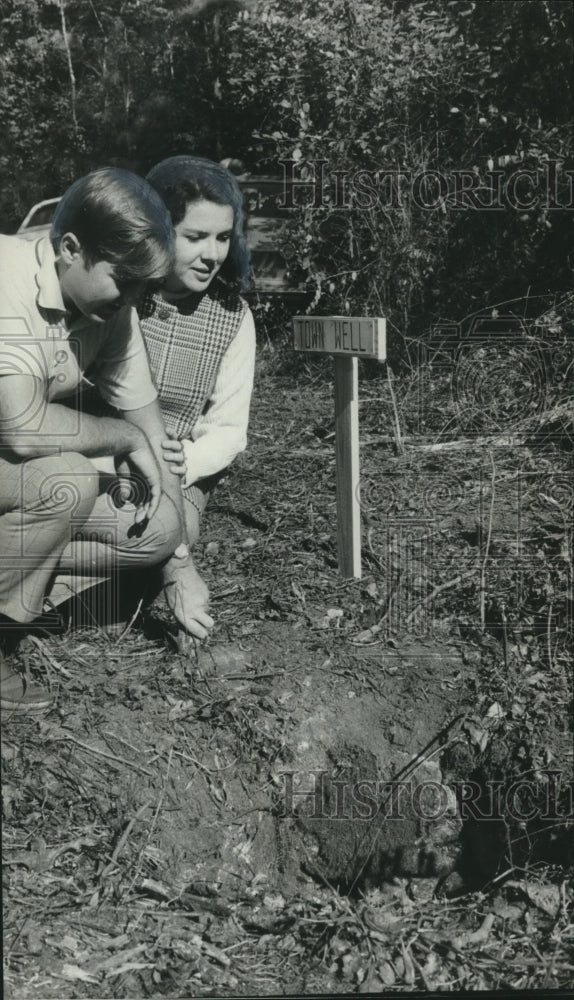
x,y
158,839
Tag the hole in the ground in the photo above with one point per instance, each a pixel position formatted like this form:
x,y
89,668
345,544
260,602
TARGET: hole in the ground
x,y
512,817
355,837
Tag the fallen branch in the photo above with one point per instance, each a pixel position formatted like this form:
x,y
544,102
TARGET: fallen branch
x,y
102,753
154,820
438,590
42,858
209,949
482,590
108,965
399,441
364,637
189,899
498,441
122,841
131,621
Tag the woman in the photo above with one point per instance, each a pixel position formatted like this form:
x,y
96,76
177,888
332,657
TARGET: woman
x,y
199,332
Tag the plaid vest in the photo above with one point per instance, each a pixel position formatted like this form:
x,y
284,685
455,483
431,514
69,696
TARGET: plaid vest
x,y
186,342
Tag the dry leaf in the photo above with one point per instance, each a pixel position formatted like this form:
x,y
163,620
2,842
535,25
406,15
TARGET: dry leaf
x,y
387,974
372,984
545,897
75,974
249,543
495,711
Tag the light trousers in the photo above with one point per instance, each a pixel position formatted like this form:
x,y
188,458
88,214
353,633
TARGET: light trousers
x,y
59,513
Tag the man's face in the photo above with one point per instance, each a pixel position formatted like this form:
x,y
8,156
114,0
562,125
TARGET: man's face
x,y
201,246
94,290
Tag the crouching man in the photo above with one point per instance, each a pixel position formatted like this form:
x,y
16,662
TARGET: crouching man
x,y
67,318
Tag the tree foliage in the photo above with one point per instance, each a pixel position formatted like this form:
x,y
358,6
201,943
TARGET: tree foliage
x,y
407,89
410,89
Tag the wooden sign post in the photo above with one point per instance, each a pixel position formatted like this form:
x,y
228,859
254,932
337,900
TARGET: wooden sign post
x,y
348,338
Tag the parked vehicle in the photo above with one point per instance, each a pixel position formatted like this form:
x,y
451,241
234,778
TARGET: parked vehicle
x,y
38,221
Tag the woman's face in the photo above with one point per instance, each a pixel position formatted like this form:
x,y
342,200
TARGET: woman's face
x,y
201,246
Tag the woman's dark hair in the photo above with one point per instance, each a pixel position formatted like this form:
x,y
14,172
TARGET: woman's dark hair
x,y
119,218
182,180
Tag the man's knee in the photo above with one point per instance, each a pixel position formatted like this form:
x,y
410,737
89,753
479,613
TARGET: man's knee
x,y
64,486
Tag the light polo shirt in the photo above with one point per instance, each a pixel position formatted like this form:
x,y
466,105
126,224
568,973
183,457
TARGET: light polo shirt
x,y
38,339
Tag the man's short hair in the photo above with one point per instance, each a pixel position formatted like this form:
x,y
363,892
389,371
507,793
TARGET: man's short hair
x,y
119,218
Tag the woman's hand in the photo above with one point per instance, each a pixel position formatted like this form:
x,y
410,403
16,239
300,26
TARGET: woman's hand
x,y
174,455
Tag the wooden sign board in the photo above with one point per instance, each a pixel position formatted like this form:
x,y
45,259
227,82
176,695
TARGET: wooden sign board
x,y
352,336
348,338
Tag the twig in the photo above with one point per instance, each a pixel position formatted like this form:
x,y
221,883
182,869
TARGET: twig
x,y
114,736
498,441
363,637
398,435
209,949
487,546
438,590
131,621
408,963
154,820
409,769
122,841
548,633
504,633
476,937
258,677
374,557
48,656
203,767
162,795
427,982
416,442
102,753
171,894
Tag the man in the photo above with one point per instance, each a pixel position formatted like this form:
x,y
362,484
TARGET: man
x,y
67,318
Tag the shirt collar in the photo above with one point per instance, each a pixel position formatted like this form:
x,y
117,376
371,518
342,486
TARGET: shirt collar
x,y
49,294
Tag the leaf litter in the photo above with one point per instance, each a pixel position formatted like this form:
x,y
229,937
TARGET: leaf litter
x,y
145,848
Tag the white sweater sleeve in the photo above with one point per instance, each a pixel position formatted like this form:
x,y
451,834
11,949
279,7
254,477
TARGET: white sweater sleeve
x,y
221,433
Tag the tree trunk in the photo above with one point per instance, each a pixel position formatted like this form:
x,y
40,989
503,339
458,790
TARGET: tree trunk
x,y
70,66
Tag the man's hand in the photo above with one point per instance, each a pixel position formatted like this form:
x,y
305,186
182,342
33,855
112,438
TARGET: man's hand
x,y
144,463
187,596
149,422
